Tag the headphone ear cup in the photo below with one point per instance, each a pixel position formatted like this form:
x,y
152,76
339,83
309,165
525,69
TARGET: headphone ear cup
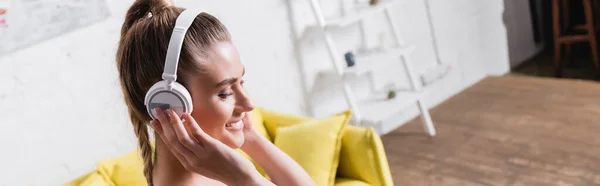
x,y
177,99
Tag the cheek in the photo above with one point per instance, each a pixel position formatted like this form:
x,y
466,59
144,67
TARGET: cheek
x,y
212,115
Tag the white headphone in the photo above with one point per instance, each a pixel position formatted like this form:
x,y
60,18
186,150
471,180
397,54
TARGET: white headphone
x,y
167,93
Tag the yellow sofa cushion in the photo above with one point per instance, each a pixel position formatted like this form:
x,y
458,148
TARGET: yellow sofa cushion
x,y
93,178
124,170
363,157
350,182
274,120
315,144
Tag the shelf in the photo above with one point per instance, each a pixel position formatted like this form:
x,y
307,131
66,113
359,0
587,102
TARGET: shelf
x,y
367,61
377,108
360,12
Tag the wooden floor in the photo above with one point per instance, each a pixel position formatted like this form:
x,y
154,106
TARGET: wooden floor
x,y
511,130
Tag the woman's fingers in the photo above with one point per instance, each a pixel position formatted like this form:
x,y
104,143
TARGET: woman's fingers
x,y
247,120
169,134
158,128
180,131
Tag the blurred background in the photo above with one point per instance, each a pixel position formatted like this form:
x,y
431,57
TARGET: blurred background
x,y
485,69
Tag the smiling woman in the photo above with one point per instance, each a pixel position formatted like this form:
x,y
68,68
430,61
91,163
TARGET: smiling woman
x,y
194,145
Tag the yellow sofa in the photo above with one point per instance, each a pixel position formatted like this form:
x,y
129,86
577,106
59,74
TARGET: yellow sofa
x,y
362,159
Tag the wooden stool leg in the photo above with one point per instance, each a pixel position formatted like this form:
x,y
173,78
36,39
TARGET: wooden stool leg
x,y
557,43
558,66
591,31
566,23
595,13
566,17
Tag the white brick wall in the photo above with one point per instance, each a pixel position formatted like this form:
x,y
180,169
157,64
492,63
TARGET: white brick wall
x,y
32,21
62,110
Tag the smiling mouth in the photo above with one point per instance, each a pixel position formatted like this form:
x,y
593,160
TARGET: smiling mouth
x,y
237,123
235,126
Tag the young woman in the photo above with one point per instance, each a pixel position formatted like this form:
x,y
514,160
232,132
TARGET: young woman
x,y
198,148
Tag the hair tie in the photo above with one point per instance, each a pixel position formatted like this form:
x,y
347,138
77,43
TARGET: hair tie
x,y
149,15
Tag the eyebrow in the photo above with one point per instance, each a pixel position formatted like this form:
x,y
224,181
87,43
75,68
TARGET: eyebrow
x,y
230,80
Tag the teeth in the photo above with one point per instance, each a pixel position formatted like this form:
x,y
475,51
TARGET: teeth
x,y
233,125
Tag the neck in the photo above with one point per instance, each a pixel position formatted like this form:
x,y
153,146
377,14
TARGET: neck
x,y
168,170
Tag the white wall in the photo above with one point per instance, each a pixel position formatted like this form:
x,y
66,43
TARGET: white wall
x,y
62,108
520,32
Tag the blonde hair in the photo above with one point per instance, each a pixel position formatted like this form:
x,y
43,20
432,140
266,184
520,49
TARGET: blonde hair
x,y
141,53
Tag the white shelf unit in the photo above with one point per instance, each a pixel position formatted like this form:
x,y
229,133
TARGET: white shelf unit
x,y
369,61
375,109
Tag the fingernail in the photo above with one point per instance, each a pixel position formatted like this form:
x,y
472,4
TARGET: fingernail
x,y
169,112
158,112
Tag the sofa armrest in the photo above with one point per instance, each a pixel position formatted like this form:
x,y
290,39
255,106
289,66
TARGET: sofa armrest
x,y
363,157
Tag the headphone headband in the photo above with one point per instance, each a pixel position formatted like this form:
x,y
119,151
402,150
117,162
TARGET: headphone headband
x,y
183,22
168,93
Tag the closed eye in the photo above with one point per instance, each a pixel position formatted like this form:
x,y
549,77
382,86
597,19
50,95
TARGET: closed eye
x,y
225,95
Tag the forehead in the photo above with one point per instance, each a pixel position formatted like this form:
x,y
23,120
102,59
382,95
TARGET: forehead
x,y
224,62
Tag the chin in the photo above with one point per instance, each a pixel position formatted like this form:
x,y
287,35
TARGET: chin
x,y
234,134
235,139
239,141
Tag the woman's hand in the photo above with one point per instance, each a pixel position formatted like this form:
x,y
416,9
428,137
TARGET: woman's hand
x,y
250,135
202,154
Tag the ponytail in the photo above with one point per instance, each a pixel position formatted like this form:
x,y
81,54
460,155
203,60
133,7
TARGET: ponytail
x,y
141,9
141,131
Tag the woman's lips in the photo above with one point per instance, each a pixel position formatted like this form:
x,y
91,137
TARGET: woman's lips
x,y
237,126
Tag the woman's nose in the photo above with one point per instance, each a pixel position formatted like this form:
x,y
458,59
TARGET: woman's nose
x,y
244,103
